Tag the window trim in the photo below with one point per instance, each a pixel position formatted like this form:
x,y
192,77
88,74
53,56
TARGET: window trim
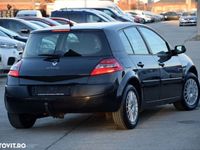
x,y
122,30
150,50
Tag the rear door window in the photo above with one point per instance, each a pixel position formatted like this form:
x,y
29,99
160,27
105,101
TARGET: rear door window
x,y
66,44
137,43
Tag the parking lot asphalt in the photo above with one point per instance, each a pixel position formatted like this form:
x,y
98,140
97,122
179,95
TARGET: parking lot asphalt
x,y
159,128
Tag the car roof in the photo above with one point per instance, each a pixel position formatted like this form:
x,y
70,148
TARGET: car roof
x,y
77,10
100,14
90,26
41,19
31,25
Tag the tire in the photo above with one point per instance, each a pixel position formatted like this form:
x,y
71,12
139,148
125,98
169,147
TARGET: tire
x,y
190,94
21,121
127,115
143,21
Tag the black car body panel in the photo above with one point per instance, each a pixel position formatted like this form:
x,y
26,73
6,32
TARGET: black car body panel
x,y
58,84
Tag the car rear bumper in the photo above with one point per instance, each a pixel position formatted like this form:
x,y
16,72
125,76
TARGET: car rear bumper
x,y
188,23
88,98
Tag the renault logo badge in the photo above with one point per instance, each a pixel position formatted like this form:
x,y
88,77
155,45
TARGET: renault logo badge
x,y
54,63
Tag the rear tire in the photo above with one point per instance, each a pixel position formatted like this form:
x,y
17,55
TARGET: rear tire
x,y
143,21
21,121
127,115
190,94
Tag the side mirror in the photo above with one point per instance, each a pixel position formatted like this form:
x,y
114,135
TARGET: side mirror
x,y
179,49
25,31
162,54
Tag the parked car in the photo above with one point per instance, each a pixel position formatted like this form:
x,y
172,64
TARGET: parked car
x,y
140,17
13,34
29,13
44,20
110,12
71,4
10,52
188,18
20,26
41,24
120,68
170,15
155,17
63,21
83,15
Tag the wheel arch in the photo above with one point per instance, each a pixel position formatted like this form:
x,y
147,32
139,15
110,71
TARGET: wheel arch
x,y
132,79
193,70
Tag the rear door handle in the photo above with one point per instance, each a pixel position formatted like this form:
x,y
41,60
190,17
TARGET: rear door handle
x,y
140,64
161,64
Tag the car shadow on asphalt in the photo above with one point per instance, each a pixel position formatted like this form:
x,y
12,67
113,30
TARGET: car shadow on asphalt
x,y
96,122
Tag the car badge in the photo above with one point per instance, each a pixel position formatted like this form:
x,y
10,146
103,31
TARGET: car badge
x,y
54,63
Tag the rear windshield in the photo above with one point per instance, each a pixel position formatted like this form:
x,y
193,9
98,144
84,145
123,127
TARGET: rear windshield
x,y
66,44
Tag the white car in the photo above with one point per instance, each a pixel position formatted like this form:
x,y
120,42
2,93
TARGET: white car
x,y
29,13
10,52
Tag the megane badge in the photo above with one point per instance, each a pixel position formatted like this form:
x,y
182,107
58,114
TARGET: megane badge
x,y
54,63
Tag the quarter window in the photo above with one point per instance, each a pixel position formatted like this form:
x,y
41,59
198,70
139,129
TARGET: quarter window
x,y
136,41
154,41
125,43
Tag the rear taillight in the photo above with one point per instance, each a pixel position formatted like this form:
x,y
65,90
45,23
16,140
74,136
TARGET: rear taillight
x,y
106,66
14,70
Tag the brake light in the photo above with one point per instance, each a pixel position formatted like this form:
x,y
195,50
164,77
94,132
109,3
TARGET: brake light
x,y
106,66
61,30
14,70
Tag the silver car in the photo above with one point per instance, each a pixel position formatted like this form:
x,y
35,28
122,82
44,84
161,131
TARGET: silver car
x,y
188,18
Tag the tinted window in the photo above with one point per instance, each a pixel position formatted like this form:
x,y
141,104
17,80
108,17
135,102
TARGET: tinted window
x,y
3,34
61,21
4,23
108,12
77,17
77,43
154,41
17,26
14,25
136,41
93,18
125,43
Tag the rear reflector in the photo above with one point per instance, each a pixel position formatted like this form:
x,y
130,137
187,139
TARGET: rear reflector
x,y
106,66
14,70
13,73
61,30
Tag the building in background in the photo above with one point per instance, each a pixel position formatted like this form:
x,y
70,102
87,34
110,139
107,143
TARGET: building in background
x,y
174,5
14,5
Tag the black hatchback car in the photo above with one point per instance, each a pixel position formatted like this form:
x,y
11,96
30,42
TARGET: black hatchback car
x,y
120,68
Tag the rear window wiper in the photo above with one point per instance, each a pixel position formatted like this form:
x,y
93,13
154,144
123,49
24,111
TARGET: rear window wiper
x,y
71,53
50,55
